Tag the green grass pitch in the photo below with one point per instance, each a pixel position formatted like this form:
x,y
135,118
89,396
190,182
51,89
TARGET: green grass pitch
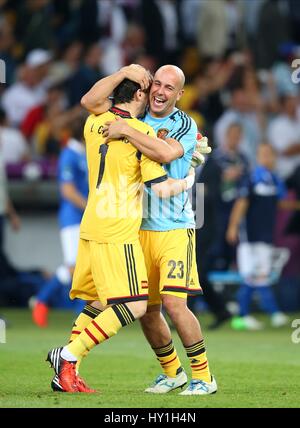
x,y
253,369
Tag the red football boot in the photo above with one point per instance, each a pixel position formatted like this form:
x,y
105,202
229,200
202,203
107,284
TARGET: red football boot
x,y
81,385
65,370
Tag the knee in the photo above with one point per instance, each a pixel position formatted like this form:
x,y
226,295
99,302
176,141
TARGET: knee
x,y
173,305
96,304
138,309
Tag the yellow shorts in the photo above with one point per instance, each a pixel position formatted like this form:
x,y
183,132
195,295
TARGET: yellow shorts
x,y
171,263
110,273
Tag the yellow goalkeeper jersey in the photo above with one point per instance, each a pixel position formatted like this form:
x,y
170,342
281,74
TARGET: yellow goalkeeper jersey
x,y
117,172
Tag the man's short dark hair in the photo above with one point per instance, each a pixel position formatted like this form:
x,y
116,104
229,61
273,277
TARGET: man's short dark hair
x,y
125,91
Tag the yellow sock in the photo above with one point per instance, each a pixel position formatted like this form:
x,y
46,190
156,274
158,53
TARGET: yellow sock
x,y
198,361
104,326
168,358
83,320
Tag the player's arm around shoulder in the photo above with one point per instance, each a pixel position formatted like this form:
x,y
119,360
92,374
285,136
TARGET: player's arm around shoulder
x,y
172,187
154,176
97,101
158,149
144,140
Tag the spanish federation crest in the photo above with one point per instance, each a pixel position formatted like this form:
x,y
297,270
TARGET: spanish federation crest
x,y
162,133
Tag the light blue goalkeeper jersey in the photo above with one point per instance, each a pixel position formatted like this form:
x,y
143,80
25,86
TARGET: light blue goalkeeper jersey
x,y
175,212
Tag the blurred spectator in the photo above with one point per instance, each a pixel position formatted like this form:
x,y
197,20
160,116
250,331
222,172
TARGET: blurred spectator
x,y
13,145
268,93
209,174
60,42
67,63
45,125
73,188
203,94
212,29
85,76
284,136
248,116
233,167
163,40
220,27
189,12
251,86
89,29
259,195
124,48
147,61
282,70
55,101
236,37
34,25
30,88
272,30
51,133
261,94
65,21
133,44
251,15
190,62
113,20
113,25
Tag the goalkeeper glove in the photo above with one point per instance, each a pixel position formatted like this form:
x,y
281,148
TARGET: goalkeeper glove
x,y
202,148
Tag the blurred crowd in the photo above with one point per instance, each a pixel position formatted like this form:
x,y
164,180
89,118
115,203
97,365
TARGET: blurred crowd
x,y
241,87
237,67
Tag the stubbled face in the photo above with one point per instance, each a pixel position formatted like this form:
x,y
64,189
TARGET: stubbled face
x,y
266,157
165,91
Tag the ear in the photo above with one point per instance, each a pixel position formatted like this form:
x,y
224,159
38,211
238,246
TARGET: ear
x,y
138,94
180,93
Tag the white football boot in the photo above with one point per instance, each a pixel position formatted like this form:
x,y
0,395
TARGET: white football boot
x,y
200,387
164,384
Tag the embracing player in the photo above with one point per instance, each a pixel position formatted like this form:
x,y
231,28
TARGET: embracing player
x,y
110,267
168,240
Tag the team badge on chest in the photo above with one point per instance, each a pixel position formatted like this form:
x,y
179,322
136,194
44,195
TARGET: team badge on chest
x,y
162,133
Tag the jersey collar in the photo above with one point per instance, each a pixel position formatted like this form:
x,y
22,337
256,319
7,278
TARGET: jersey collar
x,y
159,119
122,113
